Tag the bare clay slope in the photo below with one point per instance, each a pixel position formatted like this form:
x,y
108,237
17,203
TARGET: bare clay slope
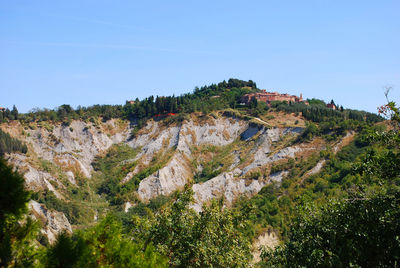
x,y
221,157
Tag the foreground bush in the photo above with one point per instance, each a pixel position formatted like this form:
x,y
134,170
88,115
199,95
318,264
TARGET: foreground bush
x,y
359,232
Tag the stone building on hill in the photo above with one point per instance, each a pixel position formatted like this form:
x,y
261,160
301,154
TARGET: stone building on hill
x,y
269,97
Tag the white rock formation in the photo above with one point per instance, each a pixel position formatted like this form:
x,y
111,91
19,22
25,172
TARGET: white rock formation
x,y
127,206
264,148
226,185
54,222
71,177
278,176
165,181
268,239
230,187
35,180
315,169
177,172
220,132
73,145
154,141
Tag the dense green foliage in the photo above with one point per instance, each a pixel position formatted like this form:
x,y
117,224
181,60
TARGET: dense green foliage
x,y
10,145
361,231
104,245
112,169
66,113
331,130
75,210
275,203
204,99
6,114
13,196
16,234
318,112
210,238
187,239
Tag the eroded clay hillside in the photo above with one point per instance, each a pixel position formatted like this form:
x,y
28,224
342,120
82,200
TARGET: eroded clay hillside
x,y
78,171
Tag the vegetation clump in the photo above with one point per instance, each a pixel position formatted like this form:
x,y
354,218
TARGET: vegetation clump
x,y
10,145
358,231
17,232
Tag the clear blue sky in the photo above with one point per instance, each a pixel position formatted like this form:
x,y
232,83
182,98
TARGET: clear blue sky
x,y
107,51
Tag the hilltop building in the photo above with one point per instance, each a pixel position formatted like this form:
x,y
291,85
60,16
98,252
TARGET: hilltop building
x,y
269,97
332,106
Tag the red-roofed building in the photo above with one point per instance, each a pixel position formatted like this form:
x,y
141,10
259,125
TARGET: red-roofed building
x,y
269,97
331,105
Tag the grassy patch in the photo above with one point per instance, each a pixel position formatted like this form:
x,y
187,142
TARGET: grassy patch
x,y
214,160
114,163
114,167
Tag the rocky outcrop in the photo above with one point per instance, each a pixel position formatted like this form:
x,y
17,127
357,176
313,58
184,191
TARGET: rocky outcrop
x,y
226,185
268,240
153,140
127,206
230,186
53,222
75,146
69,151
165,181
72,148
177,172
217,132
264,144
315,169
35,180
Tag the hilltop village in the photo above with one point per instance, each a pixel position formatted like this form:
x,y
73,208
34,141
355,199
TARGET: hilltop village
x,y
269,97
